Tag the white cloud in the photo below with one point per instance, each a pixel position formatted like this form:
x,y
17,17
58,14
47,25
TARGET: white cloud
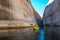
x,y
50,2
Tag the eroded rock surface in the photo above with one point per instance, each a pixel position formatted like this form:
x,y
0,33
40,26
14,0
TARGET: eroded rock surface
x,y
17,10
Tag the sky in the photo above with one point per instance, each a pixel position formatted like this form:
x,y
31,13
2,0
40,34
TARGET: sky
x,y
39,5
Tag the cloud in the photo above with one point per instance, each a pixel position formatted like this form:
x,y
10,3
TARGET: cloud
x,y
50,1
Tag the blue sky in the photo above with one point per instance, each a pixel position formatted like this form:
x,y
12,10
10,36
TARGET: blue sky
x,y
39,5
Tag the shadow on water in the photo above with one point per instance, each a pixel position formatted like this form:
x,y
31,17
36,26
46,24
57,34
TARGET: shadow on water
x,y
6,38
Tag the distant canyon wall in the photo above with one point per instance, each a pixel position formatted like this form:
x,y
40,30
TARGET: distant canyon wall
x,y
51,14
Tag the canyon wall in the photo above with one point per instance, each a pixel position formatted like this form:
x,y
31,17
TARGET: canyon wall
x,y
17,13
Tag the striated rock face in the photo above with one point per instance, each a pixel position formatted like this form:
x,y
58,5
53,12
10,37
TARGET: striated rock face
x,y
16,10
52,13
17,13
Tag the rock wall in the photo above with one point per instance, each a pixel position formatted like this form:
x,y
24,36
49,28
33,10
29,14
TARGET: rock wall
x,y
20,10
52,13
16,10
37,17
51,17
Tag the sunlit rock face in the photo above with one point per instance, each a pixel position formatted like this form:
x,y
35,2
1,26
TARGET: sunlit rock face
x,y
52,13
18,12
